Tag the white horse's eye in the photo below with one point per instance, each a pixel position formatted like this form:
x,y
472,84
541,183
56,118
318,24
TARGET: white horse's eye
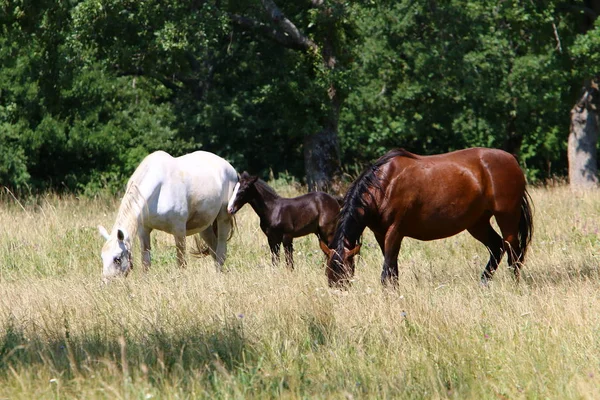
x,y
117,260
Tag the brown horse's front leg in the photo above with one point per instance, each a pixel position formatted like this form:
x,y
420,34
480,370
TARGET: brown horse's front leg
x,y
389,274
289,251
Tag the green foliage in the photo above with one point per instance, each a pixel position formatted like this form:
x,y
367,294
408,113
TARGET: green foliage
x,y
88,88
437,78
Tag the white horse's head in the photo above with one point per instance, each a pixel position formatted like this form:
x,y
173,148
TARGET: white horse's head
x,y
116,254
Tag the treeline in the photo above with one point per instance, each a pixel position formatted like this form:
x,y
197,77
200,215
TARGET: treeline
x,y
310,88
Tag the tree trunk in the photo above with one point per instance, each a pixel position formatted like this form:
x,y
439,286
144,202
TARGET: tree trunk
x,y
321,149
583,138
583,134
322,159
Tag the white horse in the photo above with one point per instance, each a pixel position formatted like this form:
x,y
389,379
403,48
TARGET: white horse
x,y
182,196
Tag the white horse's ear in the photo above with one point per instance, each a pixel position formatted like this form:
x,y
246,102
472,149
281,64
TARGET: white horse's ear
x,y
103,232
122,234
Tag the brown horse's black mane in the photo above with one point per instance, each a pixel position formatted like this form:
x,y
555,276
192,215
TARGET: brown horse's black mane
x,y
350,222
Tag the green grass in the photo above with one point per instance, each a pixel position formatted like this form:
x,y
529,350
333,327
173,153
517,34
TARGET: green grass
x,y
256,331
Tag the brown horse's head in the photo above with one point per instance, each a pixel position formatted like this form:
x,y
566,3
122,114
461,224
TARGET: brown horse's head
x,y
340,265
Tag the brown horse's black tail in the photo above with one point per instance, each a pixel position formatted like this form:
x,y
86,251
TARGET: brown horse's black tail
x,y
525,224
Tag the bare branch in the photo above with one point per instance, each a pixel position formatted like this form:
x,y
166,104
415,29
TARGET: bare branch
x,y
558,45
288,27
266,31
169,84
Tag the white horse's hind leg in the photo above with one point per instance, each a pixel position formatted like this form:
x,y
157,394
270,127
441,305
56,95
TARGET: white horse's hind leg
x,y
209,237
144,235
225,224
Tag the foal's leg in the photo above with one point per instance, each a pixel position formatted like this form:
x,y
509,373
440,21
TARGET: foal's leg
x,y
224,226
391,249
144,235
288,247
484,232
274,243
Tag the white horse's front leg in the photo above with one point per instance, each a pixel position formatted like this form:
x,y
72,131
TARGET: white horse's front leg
x,y
144,235
224,229
180,245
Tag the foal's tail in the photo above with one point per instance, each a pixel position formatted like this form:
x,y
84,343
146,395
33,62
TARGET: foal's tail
x,y
525,224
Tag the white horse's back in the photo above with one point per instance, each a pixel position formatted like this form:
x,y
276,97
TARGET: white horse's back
x,y
178,195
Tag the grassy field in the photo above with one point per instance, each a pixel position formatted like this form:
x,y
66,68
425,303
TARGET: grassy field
x,y
256,331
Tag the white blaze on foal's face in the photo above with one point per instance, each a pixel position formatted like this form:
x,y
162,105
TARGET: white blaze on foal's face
x,y
230,205
116,254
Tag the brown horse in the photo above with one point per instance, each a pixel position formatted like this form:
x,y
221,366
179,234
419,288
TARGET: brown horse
x,y
283,219
434,197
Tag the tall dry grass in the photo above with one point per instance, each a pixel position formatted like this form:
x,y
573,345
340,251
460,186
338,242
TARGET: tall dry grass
x,y
257,331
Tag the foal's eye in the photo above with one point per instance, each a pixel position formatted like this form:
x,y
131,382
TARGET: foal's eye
x,y
117,260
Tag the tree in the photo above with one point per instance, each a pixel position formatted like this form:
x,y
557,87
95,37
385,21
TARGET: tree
x,y
436,76
326,49
583,135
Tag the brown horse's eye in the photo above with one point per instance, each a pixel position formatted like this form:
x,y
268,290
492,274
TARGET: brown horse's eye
x,y
117,260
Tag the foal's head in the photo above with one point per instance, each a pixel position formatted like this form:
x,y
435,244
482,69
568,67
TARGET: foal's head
x,y
116,254
340,264
241,193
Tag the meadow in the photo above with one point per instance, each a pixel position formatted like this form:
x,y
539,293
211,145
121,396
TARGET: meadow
x,y
258,331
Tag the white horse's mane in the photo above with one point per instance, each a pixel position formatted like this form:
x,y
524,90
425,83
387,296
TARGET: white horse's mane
x,y
132,203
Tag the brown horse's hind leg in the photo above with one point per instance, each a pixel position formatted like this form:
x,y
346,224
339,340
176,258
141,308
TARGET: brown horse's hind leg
x,y
484,232
509,225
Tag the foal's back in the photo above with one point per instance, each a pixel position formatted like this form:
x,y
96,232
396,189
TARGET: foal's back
x,y
314,212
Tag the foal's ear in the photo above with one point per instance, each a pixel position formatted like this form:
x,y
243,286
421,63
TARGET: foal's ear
x,y
103,232
325,248
354,251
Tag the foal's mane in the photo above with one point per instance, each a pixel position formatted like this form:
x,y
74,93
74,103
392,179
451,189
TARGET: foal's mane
x,y
264,188
360,196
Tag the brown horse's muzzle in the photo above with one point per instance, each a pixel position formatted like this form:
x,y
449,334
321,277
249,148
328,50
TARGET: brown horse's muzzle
x,y
338,280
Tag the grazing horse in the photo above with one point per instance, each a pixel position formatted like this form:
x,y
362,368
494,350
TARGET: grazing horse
x,y
283,219
181,196
434,197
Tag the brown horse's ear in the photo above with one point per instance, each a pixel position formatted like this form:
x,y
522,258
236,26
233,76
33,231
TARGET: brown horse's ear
x,y
354,251
325,248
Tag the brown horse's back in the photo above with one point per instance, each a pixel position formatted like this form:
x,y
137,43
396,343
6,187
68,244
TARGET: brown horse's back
x,y
432,197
